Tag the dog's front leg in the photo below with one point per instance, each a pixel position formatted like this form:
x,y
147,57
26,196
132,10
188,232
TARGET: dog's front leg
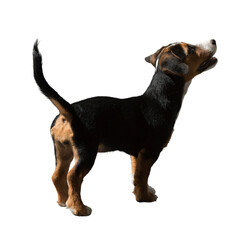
x,y
141,167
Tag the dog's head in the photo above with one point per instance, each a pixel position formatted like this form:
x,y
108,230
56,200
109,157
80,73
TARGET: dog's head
x,y
184,59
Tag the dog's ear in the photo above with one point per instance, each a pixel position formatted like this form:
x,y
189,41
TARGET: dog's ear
x,y
152,58
170,63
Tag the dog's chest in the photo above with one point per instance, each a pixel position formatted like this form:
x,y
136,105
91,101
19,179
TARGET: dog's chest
x,y
185,89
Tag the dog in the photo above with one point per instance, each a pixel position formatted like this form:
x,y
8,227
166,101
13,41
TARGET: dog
x,y
139,126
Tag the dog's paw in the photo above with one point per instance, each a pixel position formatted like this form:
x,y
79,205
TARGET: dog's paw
x,y
151,190
79,209
148,196
61,204
82,211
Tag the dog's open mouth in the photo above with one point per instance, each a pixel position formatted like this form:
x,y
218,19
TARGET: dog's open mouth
x,y
210,63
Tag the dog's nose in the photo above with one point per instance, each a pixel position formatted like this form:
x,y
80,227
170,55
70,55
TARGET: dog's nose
x,y
213,42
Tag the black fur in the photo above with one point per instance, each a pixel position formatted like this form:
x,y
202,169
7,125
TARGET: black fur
x,y
191,49
178,51
128,125
175,66
45,88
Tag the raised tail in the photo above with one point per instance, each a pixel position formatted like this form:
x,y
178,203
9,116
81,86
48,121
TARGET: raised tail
x,y
64,107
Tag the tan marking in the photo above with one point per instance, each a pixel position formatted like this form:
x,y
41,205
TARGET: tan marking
x,y
62,131
194,61
141,167
133,164
75,180
62,135
62,110
64,156
185,48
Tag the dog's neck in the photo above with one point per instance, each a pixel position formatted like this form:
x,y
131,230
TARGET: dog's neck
x,y
167,90
186,86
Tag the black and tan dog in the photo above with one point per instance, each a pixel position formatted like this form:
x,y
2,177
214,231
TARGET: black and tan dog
x,y
139,126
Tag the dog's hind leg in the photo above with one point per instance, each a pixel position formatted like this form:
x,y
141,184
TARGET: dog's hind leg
x,y
61,132
84,160
141,167
64,156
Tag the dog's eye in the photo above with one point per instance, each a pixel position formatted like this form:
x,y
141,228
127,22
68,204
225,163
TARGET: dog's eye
x,y
178,52
191,50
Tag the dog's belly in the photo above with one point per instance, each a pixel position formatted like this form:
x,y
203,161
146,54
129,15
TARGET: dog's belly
x,y
123,145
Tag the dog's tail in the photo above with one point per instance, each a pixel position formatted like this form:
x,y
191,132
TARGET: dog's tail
x,y
61,104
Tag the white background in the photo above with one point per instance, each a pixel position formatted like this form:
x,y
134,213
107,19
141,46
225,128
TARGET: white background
x,y
95,48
